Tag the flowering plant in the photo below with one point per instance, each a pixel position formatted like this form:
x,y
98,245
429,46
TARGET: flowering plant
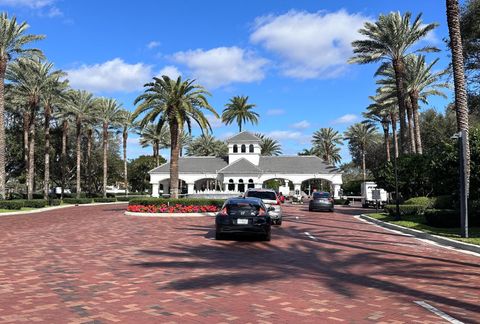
x,y
178,208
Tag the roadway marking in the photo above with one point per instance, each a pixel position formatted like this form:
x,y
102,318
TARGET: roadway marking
x,y
437,312
310,236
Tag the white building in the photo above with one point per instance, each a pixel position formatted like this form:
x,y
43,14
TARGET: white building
x,y
243,168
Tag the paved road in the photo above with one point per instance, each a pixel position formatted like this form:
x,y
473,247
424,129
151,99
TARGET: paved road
x,y
95,265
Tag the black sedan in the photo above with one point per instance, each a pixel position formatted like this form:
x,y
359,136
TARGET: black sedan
x,y
243,215
321,201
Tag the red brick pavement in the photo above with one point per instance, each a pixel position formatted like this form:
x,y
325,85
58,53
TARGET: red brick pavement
x,y
95,265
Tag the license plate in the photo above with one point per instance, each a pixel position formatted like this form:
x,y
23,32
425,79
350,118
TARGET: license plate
x,y
242,221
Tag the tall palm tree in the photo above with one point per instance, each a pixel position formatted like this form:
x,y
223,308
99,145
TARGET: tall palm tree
x,y
81,105
325,142
13,42
269,146
65,118
378,112
239,110
389,40
151,135
109,112
207,145
175,103
361,134
126,125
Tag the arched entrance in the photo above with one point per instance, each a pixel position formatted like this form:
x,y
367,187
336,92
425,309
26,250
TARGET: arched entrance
x,y
207,184
316,184
285,186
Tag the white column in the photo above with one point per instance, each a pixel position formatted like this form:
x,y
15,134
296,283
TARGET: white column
x,y
298,188
191,187
155,190
236,187
336,191
258,185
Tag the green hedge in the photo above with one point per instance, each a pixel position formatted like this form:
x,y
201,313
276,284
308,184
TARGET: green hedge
x,y
11,204
128,198
443,202
444,218
341,201
407,210
54,202
77,201
104,200
35,203
181,201
422,201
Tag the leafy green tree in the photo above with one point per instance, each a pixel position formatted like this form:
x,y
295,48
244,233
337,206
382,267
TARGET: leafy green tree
x,y
326,141
379,112
269,146
469,22
389,40
361,134
175,103
239,110
138,168
13,42
207,145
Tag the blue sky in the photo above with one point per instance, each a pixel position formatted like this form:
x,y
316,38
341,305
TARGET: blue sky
x,y
289,57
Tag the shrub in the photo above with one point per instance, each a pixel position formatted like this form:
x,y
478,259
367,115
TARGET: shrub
x,y
443,202
54,202
77,201
442,218
104,200
422,201
181,201
128,198
407,210
11,204
35,203
342,201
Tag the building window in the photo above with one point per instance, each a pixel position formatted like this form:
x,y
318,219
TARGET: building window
x,y
231,185
235,148
244,148
251,184
250,148
241,185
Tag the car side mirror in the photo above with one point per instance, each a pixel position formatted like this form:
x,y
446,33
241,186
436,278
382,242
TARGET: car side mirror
x,y
271,208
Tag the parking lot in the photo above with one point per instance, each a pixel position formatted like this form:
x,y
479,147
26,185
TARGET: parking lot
x,y
96,265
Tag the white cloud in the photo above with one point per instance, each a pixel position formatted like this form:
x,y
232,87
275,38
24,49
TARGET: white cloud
x,y
110,76
222,66
312,45
346,119
275,112
301,125
214,121
33,4
54,12
170,71
288,135
153,44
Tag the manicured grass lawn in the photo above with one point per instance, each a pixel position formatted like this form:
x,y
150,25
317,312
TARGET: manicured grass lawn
x,y
10,210
418,223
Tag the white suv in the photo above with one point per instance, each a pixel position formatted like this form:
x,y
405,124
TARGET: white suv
x,y
270,199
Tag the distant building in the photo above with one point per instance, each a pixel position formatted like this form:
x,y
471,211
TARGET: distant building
x,y
243,168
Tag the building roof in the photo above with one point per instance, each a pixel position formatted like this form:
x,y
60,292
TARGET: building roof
x,y
295,165
241,166
243,137
195,164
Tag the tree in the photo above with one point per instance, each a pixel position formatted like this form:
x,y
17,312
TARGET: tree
x,y
378,111
138,168
126,124
81,105
389,40
65,118
308,152
269,146
157,138
325,141
109,112
239,110
461,108
176,103
361,134
207,145
469,22
13,40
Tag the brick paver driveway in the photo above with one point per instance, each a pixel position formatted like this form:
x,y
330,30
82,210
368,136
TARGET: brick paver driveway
x,y
95,265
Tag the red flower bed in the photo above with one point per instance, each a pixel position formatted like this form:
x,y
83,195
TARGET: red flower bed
x,y
172,209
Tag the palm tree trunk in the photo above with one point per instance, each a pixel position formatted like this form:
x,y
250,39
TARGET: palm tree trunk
x,y
386,136
64,155
125,165
46,175
79,155
364,167
394,134
416,122
105,153
157,153
399,69
89,160
26,127
174,147
411,131
453,19
31,154
3,68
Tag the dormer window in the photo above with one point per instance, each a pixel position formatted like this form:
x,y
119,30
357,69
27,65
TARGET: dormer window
x,y
235,148
250,148
244,148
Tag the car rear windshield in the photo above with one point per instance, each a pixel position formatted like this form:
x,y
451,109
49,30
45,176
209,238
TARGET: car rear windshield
x,y
268,195
233,207
318,195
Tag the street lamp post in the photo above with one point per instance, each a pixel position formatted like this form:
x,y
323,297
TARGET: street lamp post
x,y
397,201
462,148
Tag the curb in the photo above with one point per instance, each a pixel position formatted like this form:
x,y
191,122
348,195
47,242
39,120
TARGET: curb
x,y
46,209
169,215
423,235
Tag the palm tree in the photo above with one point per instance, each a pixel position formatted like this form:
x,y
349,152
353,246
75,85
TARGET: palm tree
x,y
126,125
361,134
81,106
325,142
389,40
108,113
175,103
150,135
378,112
308,152
239,110
269,146
64,118
13,39
206,145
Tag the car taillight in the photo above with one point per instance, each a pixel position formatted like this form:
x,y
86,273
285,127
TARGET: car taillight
x,y
262,212
278,201
224,212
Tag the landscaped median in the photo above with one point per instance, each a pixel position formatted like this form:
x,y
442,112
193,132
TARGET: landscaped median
x,y
183,207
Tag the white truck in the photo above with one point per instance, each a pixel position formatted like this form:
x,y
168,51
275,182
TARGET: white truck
x,y
372,195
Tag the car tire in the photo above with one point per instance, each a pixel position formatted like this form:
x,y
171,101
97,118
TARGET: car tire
x,y
219,236
267,237
279,222
364,205
310,209
331,210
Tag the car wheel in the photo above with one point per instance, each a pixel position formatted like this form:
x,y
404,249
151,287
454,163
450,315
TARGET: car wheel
x,y
310,209
219,236
279,222
331,210
267,237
